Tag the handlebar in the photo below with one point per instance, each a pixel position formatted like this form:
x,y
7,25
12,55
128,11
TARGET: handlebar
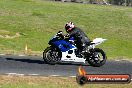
x,y
59,34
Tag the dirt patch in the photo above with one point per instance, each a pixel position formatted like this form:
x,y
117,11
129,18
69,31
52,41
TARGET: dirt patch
x,y
10,37
4,32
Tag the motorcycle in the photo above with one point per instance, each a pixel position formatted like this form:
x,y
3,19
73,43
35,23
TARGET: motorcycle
x,y
65,50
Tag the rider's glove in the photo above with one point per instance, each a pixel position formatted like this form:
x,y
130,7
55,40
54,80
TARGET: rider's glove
x,y
60,32
67,36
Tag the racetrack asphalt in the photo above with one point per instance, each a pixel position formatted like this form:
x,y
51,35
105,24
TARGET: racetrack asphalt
x,y
34,65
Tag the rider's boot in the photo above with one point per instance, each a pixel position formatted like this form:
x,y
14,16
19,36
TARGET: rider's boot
x,y
79,53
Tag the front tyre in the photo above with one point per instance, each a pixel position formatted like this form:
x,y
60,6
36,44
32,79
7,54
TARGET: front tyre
x,y
51,55
97,57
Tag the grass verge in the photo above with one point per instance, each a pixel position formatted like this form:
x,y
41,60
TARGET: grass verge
x,y
37,21
50,82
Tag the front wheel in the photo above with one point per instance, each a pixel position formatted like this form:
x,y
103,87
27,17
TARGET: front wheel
x,y
97,57
51,55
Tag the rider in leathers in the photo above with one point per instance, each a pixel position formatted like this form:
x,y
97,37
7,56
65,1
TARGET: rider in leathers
x,y
81,39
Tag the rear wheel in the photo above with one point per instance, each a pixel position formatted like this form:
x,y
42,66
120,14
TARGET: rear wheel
x,y
51,55
97,57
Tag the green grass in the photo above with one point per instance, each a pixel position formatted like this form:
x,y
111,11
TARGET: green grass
x,y
39,20
50,82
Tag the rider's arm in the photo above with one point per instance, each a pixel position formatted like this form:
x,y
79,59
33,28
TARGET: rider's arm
x,y
73,32
70,34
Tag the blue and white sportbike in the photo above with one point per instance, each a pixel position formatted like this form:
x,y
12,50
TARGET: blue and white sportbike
x,y
65,50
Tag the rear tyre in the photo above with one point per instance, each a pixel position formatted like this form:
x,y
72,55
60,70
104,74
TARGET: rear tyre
x,y
97,57
51,55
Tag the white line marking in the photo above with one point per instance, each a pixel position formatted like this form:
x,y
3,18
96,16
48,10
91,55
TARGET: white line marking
x,y
2,54
20,74
21,55
124,60
33,74
117,60
11,73
72,76
54,75
17,74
